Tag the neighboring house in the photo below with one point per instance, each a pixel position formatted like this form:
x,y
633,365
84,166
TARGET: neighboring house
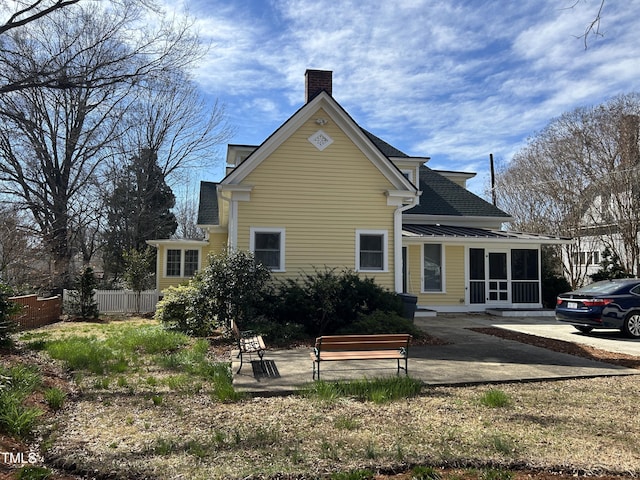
x,y
322,192
609,222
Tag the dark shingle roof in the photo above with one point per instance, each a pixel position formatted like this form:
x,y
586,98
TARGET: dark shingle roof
x,y
384,147
441,196
208,205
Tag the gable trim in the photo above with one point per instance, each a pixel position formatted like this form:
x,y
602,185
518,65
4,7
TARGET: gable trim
x,y
344,122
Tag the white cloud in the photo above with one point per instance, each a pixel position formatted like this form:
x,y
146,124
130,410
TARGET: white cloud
x,y
456,80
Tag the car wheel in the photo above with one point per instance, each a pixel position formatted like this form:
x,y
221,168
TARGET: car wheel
x,y
583,329
632,325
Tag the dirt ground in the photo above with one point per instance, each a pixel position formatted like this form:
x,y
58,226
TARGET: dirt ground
x,y
54,377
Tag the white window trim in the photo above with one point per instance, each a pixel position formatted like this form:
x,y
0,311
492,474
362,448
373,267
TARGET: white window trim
x,y
281,231
182,260
409,173
385,250
443,271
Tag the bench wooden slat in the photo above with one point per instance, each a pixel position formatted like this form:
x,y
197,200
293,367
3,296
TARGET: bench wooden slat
x,y
359,355
252,344
248,342
361,347
377,345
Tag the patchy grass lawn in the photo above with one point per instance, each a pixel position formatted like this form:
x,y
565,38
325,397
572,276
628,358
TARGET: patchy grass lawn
x,y
162,407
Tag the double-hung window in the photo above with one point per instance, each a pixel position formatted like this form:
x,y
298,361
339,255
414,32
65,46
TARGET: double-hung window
x,y
371,250
267,245
432,280
190,262
182,263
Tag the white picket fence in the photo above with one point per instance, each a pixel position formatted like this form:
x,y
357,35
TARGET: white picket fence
x,y
123,301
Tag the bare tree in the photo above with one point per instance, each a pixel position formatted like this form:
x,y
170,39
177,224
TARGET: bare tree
x,y
55,139
593,27
579,178
27,12
21,261
30,57
186,212
171,118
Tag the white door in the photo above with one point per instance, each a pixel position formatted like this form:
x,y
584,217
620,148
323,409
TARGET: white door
x,y
498,278
488,277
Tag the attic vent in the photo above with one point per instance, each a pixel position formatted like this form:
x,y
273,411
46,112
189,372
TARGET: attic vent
x,y
320,140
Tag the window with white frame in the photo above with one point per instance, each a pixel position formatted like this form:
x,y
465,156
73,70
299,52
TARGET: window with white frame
x,y
408,174
432,280
267,245
191,259
371,250
182,262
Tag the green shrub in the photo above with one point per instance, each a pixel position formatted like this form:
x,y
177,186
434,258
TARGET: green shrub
x,y
16,383
380,322
7,308
326,301
231,287
552,286
279,334
175,311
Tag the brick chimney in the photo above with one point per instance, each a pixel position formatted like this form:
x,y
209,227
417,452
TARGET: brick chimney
x,y
315,82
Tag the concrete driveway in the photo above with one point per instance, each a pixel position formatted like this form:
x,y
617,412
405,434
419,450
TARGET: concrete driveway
x,y
610,340
468,357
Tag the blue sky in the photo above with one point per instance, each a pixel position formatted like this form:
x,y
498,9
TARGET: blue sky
x,y
453,80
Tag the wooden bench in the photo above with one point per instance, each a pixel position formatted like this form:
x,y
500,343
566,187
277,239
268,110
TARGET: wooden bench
x,y
248,343
361,347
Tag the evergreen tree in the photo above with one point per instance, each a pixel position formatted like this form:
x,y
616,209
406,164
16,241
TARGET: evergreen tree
x,y
81,301
138,209
610,267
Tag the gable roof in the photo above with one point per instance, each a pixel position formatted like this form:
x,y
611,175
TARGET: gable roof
x,y
208,204
384,147
373,147
441,196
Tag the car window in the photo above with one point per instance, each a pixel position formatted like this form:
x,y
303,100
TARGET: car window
x,y
600,288
636,290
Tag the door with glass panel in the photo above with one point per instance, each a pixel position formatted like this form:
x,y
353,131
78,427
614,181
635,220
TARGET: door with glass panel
x,y
488,277
498,280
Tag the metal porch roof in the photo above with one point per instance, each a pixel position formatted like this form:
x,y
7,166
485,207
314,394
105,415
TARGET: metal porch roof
x,y
472,233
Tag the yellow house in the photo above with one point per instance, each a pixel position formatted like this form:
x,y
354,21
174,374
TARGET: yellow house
x,y
323,192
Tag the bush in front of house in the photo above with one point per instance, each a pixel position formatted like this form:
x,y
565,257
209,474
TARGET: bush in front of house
x,y
175,311
234,287
328,300
380,322
231,287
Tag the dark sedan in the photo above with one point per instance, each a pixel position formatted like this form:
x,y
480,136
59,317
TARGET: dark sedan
x,y
606,304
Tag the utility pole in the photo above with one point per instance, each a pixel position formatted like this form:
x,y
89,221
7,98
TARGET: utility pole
x,y
493,180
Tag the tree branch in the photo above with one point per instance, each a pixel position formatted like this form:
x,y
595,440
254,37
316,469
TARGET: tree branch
x,y
33,14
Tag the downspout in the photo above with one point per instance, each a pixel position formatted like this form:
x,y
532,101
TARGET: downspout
x,y
232,226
